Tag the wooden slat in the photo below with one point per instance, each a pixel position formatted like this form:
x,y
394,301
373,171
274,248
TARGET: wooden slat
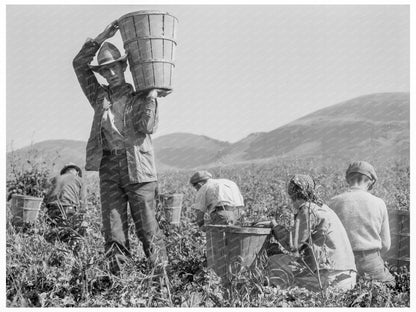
x,y
399,252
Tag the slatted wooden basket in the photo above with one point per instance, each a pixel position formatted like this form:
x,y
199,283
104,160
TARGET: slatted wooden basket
x,y
149,37
25,209
399,253
172,207
231,247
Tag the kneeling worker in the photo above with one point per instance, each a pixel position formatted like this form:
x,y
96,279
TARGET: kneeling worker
x,y
220,198
326,256
66,199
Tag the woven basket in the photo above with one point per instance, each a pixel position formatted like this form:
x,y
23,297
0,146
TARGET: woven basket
x,y
231,247
399,253
172,207
25,208
149,37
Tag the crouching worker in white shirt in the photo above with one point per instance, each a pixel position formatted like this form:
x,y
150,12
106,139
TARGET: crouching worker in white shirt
x,y
219,198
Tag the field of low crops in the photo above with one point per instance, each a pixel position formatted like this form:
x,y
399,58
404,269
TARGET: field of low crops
x,y
49,267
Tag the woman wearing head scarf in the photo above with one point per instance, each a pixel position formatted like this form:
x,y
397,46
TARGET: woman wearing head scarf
x,y
326,257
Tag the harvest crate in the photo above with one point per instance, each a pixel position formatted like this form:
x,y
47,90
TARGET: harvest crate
x,y
149,37
25,208
399,253
172,207
230,247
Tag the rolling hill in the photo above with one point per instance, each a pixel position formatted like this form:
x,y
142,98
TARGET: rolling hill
x,y
372,127
368,127
184,150
173,151
56,153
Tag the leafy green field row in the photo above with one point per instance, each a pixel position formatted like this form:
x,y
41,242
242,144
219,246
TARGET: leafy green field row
x,y
47,267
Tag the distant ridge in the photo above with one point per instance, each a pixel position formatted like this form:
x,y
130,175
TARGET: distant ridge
x,y
55,153
372,127
184,150
367,127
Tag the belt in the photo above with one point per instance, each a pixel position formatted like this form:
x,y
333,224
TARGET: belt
x,y
67,209
363,253
62,205
224,207
116,152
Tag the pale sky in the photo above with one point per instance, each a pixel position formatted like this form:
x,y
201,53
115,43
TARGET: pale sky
x,y
239,69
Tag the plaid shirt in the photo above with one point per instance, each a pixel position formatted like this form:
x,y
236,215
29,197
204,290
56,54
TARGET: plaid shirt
x,y
140,120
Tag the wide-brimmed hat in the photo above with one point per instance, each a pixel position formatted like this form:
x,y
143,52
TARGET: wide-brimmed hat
x,y
362,167
107,55
69,166
200,176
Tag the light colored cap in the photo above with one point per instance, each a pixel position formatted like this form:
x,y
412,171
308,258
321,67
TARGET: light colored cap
x,y
362,167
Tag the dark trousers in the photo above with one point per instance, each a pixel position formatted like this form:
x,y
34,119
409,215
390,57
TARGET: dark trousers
x,y
116,191
59,215
227,216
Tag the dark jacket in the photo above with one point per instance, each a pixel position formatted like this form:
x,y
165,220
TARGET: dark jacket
x,y
140,120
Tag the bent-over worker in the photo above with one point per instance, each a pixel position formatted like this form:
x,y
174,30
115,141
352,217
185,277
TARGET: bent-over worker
x,y
320,239
219,198
66,198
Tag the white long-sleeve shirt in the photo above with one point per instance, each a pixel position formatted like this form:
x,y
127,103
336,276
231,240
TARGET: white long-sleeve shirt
x,y
365,219
217,192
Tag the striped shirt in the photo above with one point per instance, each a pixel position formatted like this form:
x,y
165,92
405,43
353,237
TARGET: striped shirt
x,y
113,124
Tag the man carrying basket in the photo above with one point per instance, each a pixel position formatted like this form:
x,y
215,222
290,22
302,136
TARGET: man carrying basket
x,y
120,148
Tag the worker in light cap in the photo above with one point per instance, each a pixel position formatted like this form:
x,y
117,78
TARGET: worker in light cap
x,y
366,221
